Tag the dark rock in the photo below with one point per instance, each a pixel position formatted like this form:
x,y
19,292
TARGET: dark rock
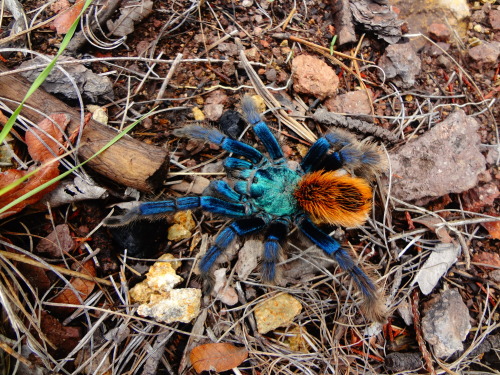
x,y
401,64
378,17
344,25
494,18
232,123
90,85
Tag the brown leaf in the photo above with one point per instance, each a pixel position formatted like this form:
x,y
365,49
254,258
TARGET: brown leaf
x,y
82,287
219,357
57,242
432,223
493,228
64,20
38,149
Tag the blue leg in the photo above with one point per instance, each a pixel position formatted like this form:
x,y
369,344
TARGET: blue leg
x,y
332,248
275,237
236,228
216,137
261,129
160,208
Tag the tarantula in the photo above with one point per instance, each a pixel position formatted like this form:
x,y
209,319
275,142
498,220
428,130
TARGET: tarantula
x,y
267,194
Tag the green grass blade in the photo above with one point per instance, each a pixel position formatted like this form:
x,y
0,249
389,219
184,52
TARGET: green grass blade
x,y
62,175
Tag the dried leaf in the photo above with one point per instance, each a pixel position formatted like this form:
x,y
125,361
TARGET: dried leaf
x,y
47,136
130,15
64,338
64,20
57,242
218,357
39,140
493,228
44,175
81,286
432,223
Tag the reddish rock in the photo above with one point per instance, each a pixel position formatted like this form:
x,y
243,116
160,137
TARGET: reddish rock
x,y
485,54
353,102
314,77
439,32
494,17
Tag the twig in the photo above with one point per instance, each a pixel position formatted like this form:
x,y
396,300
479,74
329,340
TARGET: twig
x,y
79,39
271,102
289,18
65,271
170,73
330,118
418,331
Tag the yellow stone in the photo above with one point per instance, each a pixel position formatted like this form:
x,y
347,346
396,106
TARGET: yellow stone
x,y
198,114
276,312
259,103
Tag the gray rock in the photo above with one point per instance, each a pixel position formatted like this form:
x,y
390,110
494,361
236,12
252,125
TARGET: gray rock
x,y
400,64
446,324
90,85
444,160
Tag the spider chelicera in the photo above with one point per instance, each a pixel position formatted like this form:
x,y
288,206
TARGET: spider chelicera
x,y
266,194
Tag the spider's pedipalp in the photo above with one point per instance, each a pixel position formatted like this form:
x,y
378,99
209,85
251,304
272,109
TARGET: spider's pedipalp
x,y
216,137
261,129
315,154
364,158
221,189
275,237
240,227
372,303
237,164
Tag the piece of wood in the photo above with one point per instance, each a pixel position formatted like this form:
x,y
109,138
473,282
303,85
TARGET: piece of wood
x,y
128,162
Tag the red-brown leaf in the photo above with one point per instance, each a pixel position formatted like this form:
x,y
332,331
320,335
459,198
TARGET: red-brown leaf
x,y
487,258
64,20
493,228
44,175
37,149
219,357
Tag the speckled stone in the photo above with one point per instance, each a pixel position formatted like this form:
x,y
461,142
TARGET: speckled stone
x,y
276,312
